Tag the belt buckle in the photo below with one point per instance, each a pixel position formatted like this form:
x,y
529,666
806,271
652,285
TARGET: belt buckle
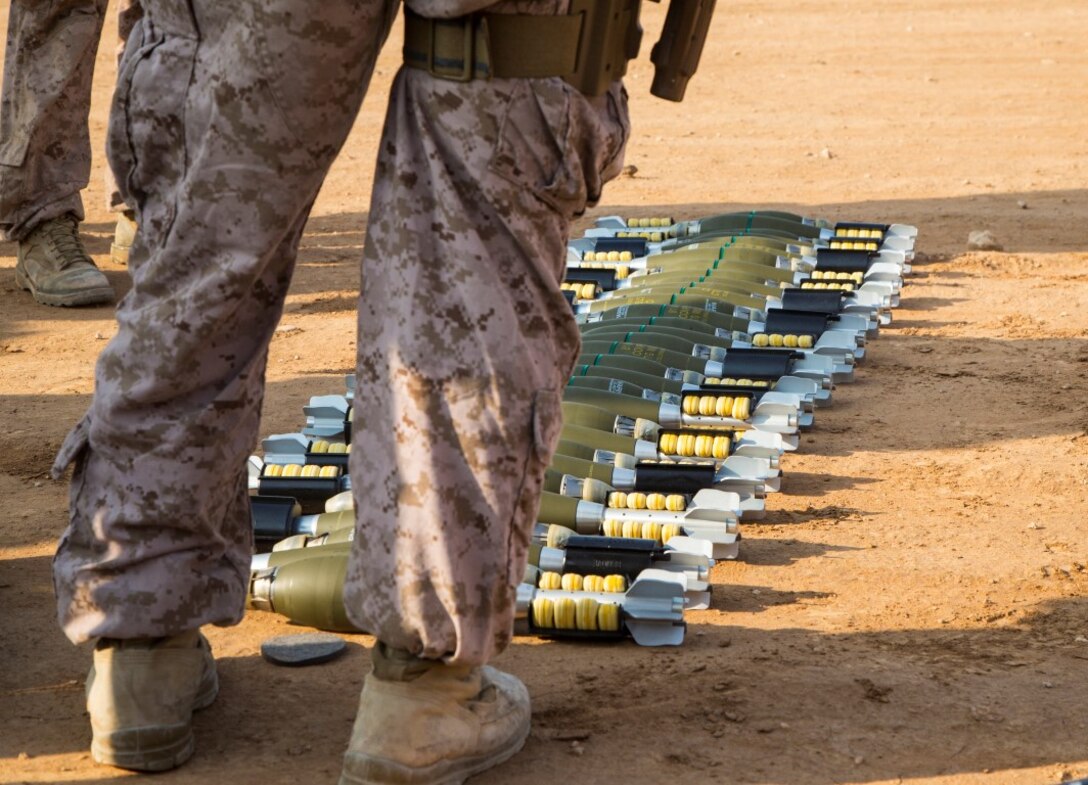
x,y
468,49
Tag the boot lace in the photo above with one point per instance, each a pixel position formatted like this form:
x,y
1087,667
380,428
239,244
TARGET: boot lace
x,y
64,237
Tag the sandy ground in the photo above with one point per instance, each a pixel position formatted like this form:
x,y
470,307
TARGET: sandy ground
x,y
913,609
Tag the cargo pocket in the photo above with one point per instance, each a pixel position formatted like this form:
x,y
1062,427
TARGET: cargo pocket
x,y
533,148
619,133
73,447
16,141
560,145
16,123
546,424
73,452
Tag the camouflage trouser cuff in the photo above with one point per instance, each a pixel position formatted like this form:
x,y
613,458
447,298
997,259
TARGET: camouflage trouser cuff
x,y
392,664
27,220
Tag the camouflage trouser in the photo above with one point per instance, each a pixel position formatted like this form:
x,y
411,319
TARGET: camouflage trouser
x,y
129,13
465,340
465,343
45,150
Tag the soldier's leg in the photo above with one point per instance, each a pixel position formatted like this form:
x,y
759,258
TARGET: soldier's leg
x,y
45,148
465,342
45,153
222,181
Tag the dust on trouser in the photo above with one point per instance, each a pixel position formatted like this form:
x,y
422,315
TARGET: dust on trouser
x,y
465,344
45,149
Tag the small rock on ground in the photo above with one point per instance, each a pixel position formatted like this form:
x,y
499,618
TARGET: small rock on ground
x,y
983,240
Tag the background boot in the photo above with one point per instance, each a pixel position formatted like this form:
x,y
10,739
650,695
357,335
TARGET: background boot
x,y
123,237
54,267
141,695
421,722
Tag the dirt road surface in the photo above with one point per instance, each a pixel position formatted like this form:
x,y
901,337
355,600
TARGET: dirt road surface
x,y
913,610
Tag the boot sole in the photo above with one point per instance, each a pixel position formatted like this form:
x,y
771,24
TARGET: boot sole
x,y
133,750
369,770
97,296
155,748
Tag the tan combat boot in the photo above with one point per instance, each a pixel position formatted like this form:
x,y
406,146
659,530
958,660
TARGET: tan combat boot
x,y
426,723
141,695
54,267
123,237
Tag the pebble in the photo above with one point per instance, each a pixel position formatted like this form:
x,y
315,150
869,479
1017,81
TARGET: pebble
x,y
983,240
826,153
629,171
1022,204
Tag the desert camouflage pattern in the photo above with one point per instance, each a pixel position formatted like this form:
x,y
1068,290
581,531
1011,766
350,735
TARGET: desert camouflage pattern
x,y
129,13
45,149
220,136
464,342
